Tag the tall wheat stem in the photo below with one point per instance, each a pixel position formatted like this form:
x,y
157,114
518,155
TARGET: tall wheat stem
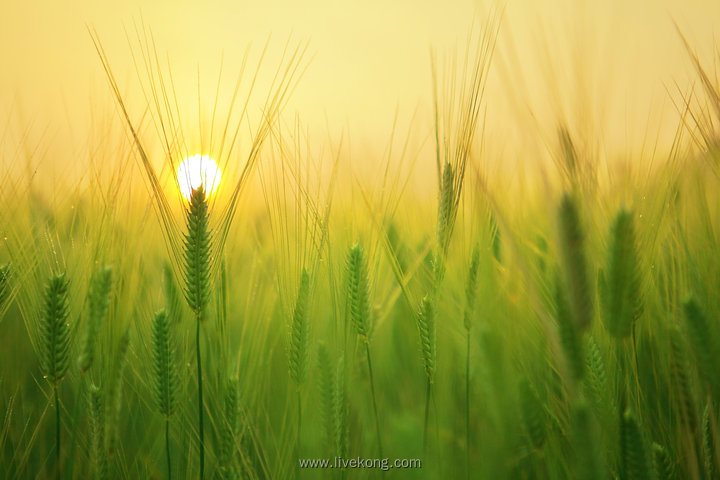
x,y
167,446
467,405
375,408
297,434
57,428
470,294
200,400
428,392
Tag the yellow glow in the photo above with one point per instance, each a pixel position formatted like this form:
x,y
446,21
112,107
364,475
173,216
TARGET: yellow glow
x,y
195,171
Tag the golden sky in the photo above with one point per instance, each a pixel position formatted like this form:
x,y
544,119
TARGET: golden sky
x,y
605,66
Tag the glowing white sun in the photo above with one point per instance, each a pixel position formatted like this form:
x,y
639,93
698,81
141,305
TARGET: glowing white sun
x,y
195,171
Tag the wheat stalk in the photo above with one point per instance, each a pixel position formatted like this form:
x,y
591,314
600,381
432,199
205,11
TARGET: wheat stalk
x,y
166,382
470,295
358,298
55,352
572,252
426,328
570,338
703,344
299,331
198,247
97,432
114,392
620,289
98,305
664,464
588,461
533,414
636,461
230,429
5,272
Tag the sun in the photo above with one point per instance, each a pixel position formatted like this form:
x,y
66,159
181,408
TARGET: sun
x,y
198,170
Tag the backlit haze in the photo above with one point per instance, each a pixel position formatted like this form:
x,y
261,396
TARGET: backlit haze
x,y
608,69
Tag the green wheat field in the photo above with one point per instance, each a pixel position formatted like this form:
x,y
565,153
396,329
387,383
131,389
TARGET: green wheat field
x,y
492,324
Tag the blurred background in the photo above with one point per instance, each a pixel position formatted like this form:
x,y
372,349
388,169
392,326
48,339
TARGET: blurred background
x,y
610,69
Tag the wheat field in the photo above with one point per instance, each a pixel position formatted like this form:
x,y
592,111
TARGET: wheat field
x,y
438,305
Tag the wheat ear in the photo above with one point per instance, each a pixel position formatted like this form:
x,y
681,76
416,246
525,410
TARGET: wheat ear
x,y
702,343
326,392
230,429
358,298
97,432
98,305
198,246
55,337
299,331
114,392
620,285
572,251
636,461
166,381
533,414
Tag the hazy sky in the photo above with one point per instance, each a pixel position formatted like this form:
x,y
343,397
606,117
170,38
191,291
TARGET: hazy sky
x,y
607,64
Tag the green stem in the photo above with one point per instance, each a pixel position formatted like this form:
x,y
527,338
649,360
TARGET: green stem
x,y
372,389
57,430
200,401
428,391
622,405
467,406
81,396
297,437
167,446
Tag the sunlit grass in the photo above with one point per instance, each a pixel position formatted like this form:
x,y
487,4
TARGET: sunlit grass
x,y
561,328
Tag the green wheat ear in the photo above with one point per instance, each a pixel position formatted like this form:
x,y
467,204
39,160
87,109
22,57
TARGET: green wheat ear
x,y
97,432
446,205
570,338
496,239
679,368
98,305
426,327
596,385
54,331
541,253
163,348
326,389
702,342
708,444
471,287
198,245
358,290
636,461
299,332
230,429
620,285
596,367
340,412
114,392
664,466
589,463
572,251
533,414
